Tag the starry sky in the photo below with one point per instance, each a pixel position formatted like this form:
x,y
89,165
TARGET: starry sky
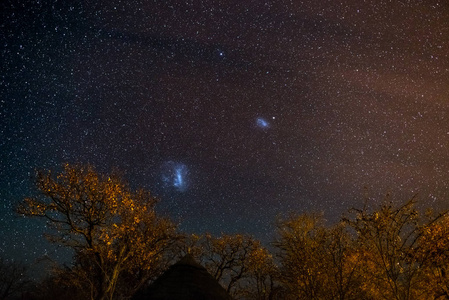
x,y
231,112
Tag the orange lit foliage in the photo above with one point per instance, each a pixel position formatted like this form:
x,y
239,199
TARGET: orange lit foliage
x,y
301,242
263,275
394,251
110,227
434,251
317,262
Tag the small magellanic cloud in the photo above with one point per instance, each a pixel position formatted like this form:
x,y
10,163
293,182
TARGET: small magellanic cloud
x,y
262,123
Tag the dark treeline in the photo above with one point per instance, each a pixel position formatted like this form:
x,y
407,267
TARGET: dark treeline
x,y
121,244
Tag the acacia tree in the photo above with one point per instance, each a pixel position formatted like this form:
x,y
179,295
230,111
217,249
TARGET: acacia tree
x,y
110,227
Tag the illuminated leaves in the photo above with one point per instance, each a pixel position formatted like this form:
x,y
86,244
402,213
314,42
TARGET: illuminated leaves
x,y
106,223
316,262
389,253
433,250
396,246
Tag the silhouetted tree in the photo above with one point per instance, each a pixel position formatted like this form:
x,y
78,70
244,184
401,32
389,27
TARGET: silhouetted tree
x,y
13,279
239,262
63,283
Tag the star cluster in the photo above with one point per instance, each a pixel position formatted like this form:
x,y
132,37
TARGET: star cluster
x,y
231,112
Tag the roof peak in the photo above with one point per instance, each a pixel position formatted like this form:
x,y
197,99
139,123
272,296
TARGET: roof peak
x,y
189,260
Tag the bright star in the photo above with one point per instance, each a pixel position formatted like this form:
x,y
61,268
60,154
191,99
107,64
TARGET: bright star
x,y
220,53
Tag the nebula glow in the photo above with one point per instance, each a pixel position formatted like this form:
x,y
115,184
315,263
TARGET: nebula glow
x,y
174,175
262,123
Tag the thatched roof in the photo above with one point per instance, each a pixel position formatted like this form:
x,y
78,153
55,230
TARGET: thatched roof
x,y
185,280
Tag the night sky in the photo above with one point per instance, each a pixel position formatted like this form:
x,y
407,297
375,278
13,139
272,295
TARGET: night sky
x,y
231,112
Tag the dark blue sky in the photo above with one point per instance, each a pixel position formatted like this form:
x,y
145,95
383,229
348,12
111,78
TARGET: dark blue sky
x,y
232,112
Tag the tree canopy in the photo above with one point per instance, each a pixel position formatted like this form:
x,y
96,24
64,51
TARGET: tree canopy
x,y
120,243
111,228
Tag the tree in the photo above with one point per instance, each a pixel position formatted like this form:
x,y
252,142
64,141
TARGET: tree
x,y
238,262
345,265
111,228
64,283
227,258
393,248
13,279
301,244
317,262
262,277
433,250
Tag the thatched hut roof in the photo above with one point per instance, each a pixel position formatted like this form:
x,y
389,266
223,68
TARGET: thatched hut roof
x,y
185,280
